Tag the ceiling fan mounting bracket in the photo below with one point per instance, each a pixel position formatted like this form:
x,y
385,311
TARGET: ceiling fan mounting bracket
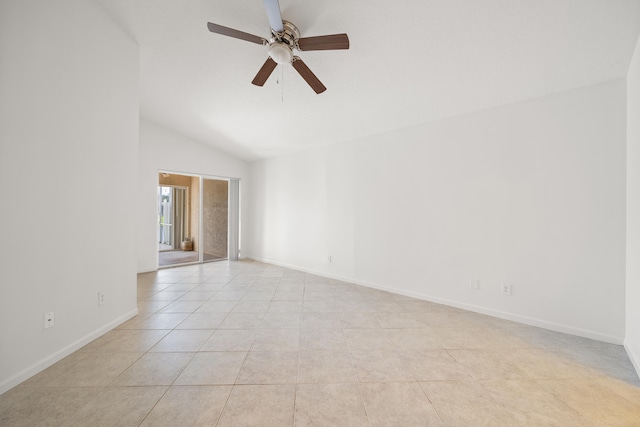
x,y
289,35
283,42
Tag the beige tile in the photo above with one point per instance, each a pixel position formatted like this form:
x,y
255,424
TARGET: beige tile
x,y
284,295
411,305
488,364
607,360
587,397
148,307
459,339
99,369
212,368
629,390
318,295
531,405
385,306
276,340
400,404
258,295
51,375
282,320
368,339
119,340
399,320
118,406
230,340
359,320
154,369
466,403
242,321
528,376
322,339
183,340
156,321
189,406
542,338
180,287
182,307
160,296
23,406
197,296
260,406
322,320
381,366
446,319
538,363
352,306
217,307
269,367
251,307
285,306
329,405
318,306
229,295
209,287
202,321
325,367
436,365
412,339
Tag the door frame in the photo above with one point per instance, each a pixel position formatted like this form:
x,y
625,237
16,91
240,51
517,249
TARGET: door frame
x,y
233,219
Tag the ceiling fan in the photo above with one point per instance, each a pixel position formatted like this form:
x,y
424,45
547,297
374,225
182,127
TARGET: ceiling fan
x,y
285,37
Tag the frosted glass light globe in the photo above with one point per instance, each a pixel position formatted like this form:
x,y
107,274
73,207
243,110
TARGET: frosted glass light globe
x,y
280,52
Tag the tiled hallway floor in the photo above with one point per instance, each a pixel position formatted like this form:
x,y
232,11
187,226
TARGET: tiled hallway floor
x,y
249,344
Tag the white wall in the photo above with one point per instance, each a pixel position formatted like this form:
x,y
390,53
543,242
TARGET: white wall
x,y
632,339
531,194
161,149
68,156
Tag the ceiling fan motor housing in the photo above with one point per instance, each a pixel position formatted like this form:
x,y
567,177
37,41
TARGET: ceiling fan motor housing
x,y
282,43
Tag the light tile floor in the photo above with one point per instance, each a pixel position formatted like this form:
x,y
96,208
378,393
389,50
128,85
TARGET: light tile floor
x,y
250,344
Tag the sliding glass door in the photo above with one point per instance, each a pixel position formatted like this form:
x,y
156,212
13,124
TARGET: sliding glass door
x,y
198,219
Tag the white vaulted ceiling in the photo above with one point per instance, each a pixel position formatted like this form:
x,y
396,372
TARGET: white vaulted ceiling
x,y
410,61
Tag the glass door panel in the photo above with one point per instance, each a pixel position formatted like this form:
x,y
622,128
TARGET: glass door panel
x,y
215,216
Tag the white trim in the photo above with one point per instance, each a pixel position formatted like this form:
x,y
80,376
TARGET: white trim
x,y
201,219
634,356
43,364
233,219
531,321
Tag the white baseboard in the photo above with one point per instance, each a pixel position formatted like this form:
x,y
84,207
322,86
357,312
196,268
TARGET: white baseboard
x,y
62,353
633,351
462,305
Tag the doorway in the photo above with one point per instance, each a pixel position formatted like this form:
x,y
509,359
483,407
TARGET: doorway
x,y
172,219
193,219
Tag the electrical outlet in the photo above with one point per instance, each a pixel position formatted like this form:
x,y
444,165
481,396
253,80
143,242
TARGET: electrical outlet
x,y
100,298
474,284
48,319
329,259
506,289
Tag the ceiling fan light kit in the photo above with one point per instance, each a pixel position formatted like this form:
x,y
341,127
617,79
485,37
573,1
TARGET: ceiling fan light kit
x,y
285,37
280,53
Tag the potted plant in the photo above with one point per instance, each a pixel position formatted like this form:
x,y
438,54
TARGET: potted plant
x,y
187,244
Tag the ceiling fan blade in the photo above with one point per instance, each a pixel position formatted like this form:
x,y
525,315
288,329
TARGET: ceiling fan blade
x,y
225,31
274,15
308,75
264,73
330,42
